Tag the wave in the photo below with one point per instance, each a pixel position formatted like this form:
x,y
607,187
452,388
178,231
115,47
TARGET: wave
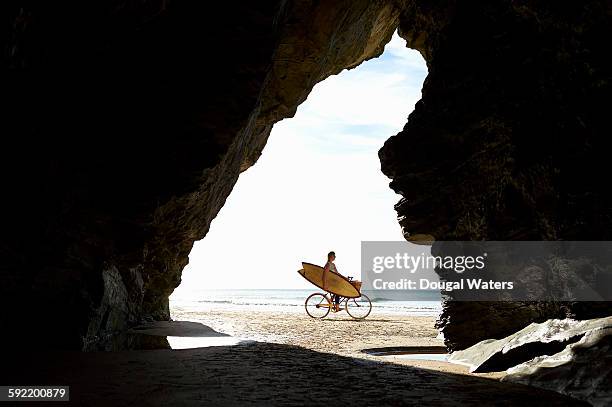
x,y
246,298
247,302
292,300
381,303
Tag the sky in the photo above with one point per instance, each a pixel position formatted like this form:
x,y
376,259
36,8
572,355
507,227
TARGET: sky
x,y
317,185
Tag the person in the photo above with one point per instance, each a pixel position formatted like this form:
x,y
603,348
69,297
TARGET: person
x,y
331,267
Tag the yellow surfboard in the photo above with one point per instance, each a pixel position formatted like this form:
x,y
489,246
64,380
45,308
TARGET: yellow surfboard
x,y
336,284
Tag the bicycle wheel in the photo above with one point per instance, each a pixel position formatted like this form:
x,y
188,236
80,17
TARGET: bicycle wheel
x,y
317,305
360,307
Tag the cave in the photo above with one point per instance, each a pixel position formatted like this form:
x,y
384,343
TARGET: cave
x,y
126,125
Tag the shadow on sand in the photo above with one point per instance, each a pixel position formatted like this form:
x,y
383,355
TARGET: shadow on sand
x,y
258,373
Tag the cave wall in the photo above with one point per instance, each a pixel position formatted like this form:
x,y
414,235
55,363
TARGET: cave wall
x,y
510,140
126,127
127,124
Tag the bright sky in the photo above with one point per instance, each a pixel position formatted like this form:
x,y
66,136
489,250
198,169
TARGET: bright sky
x,y
317,186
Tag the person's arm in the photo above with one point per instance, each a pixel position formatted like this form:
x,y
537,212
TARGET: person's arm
x,y
325,271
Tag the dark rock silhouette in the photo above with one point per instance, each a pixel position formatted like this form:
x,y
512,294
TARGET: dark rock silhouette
x,y
509,141
126,127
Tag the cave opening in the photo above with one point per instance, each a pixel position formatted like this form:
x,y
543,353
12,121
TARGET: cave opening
x,y
129,123
316,187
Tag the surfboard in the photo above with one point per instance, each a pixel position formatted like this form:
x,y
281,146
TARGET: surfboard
x,y
336,284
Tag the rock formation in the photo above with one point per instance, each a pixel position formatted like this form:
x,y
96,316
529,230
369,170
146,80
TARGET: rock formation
x,y
509,140
127,124
567,356
582,370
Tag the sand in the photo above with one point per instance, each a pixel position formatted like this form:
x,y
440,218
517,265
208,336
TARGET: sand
x,y
297,361
337,333
259,374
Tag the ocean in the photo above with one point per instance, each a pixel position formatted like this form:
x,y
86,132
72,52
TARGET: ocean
x,y
423,303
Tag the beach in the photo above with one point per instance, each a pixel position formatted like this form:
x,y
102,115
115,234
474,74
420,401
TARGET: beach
x,y
338,333
278,316
272,353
